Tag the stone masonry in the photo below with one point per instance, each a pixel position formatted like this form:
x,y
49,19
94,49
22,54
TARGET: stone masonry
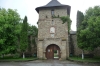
x,y
61,32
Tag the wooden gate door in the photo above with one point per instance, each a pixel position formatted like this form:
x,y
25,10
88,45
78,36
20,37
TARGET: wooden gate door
x,y
50,51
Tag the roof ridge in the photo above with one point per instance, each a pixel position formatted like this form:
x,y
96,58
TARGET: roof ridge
x,y
53,3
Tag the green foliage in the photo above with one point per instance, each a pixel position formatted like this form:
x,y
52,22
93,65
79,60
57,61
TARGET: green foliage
x,y
24,36
65,19
16,55
68,20
33,33
55,51
80,18
33,30
89,36
9,19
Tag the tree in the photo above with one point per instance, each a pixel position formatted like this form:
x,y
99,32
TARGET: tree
x,y
80,18
32,32
24,36
9,19
89,35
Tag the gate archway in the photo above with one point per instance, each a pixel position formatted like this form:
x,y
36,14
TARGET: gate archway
x,y
53,52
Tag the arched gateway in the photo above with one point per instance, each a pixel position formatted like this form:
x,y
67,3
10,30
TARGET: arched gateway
x,y
52,52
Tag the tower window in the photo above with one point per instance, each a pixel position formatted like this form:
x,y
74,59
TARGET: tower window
x,y
52,22
52,12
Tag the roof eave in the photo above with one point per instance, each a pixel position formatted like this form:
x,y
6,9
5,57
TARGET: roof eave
x,y
68,8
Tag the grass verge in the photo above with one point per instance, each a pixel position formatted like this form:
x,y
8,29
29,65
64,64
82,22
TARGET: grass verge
x,y
17,59
85,59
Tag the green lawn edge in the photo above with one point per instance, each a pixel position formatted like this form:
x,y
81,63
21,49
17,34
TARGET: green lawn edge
x,y
88,60
18,59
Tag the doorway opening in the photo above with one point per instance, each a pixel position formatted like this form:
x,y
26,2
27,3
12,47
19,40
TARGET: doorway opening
x,y
53,52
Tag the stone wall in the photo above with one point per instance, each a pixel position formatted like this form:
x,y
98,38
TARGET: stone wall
x,y
96,52
76,51
47,12
73,45
44,24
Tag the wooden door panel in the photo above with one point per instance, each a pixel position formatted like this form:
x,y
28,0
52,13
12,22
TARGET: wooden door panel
x,y
50,51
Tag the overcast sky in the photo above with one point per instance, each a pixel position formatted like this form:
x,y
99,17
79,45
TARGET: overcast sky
x,y
27,7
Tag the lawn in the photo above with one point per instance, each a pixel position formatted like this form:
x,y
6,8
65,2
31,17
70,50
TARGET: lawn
x,y
95,59
17,59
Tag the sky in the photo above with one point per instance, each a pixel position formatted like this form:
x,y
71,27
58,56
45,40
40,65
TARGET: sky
x,y
27,7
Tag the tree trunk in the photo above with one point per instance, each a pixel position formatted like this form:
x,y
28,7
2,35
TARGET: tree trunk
x,y
82,54
23,55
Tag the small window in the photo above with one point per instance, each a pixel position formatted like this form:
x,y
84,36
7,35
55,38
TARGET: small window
x,y
52,22
52,12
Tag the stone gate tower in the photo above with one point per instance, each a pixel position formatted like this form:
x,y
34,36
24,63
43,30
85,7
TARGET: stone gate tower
x,y
52,34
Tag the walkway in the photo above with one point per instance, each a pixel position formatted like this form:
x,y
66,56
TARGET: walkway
x,y
46,63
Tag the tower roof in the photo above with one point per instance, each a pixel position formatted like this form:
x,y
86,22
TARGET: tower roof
x,y
54,3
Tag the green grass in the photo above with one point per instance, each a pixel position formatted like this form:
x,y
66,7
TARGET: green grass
x,y
55,55
85,59
17,59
